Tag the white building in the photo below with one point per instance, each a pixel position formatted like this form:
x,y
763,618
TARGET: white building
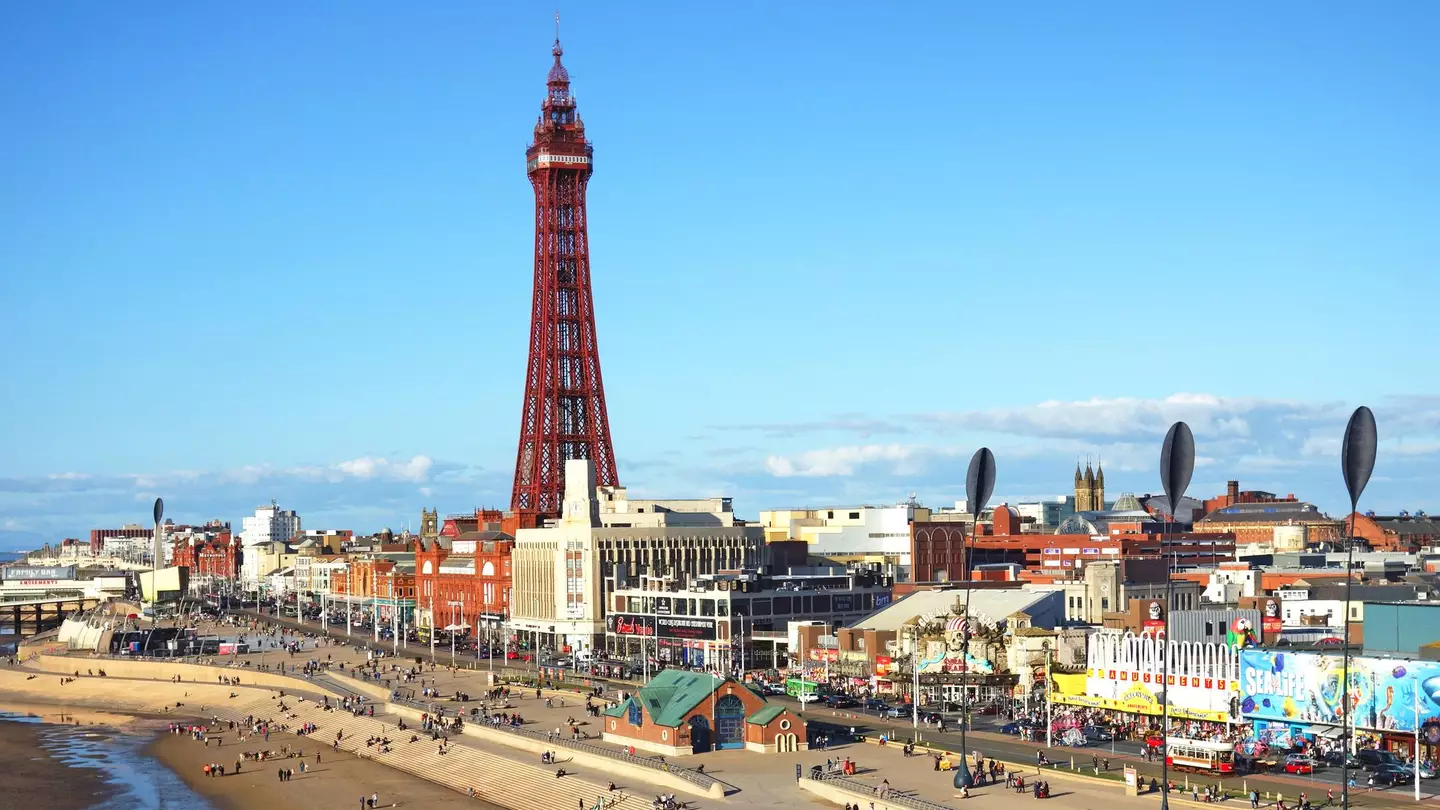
x,y
875,534
557,583
269,524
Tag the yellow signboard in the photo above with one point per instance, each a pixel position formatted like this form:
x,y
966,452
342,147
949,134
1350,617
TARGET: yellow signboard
x,y
1138,700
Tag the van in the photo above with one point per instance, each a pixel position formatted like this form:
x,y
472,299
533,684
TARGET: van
x,y
1373,760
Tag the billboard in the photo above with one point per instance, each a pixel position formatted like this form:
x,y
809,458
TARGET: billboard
x,y
627,624
682,627
1304,687
685,627
42,573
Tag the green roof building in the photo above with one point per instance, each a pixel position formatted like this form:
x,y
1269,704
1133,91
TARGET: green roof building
x,y
681,712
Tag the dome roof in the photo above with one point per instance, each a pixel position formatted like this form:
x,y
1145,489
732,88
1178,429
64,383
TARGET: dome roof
x,y
1127,503
558,73
1077,524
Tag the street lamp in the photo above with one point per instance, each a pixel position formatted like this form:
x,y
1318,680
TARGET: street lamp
x,y
455,625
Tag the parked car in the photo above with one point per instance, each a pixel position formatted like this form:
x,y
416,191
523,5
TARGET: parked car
x,y
1373,760
876,705
1010,728
840,702
1336,759
900,710
1386,775
1299,763
1098,734
808,697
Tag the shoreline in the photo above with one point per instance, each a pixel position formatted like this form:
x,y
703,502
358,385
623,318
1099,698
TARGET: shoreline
x,y
36,777
257,787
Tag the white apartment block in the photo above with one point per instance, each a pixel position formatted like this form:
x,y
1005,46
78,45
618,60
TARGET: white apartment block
x,y
269,524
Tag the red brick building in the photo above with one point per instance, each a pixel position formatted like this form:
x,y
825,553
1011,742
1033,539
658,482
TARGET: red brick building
x,y
473,567
681,712
1402,532
97,536
1233,496
219,557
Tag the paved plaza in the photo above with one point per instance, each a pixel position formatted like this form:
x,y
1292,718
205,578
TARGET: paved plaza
x,y
756,780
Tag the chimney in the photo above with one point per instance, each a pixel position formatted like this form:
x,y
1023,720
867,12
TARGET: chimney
x,y
1232,490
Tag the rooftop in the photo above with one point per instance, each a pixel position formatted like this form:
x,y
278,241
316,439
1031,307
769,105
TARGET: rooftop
x,y
996,603
1274,512
670,695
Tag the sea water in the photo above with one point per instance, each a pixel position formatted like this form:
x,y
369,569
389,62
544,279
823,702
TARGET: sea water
x,y
139,781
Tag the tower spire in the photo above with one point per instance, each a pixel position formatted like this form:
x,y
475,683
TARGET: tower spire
x,y
564,415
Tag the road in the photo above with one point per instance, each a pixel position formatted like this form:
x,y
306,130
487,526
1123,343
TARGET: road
x,y
985,736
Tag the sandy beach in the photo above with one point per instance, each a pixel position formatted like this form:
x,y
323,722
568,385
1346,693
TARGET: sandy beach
x,y
338,781
34,778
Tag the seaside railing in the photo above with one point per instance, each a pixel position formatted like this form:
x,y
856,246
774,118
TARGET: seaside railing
x,y
893,797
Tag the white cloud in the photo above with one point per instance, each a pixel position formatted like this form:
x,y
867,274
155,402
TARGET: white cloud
x,y
1207,414
840,460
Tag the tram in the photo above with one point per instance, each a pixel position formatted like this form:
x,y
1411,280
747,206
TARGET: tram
x,y
1200,755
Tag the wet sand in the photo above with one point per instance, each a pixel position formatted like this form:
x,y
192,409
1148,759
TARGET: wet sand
x,y
34,778
337,782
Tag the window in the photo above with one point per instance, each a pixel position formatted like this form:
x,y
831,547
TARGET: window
x,y
854,515
637,717
1209,628
1104,603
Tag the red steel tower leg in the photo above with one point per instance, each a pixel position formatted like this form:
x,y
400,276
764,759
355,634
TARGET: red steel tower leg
x,y
564,412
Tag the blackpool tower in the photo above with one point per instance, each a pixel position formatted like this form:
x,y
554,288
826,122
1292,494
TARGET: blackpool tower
x,y
564,412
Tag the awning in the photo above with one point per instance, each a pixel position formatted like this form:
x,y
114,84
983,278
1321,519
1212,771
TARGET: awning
x,y
1329,732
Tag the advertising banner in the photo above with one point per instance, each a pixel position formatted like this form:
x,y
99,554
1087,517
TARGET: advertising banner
x,y
626,624
685,627
1304,687
662,606
45,573
842,603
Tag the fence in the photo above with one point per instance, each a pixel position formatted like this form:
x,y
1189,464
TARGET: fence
x,y
894,797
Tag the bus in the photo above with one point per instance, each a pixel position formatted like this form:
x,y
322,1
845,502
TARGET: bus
x,y
795,687
1200,755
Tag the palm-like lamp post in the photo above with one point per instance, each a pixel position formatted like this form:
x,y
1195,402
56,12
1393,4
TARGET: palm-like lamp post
x,y
1177,464
1357,461
979,486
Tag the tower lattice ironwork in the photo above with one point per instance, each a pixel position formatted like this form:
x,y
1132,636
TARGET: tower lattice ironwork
x,y
564,413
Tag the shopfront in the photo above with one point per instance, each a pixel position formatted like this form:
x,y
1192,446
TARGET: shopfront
x,y
1294,699
674,640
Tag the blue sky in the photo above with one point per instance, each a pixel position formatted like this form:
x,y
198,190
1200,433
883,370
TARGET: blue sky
x,y
282,250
